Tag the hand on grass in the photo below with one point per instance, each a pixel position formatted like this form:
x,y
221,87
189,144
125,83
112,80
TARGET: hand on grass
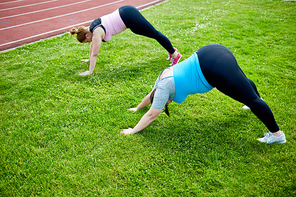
x,y
133,110
85,73
85,60
128,131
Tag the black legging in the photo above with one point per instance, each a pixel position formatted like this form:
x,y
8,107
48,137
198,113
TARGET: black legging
x,y
221,70
134,20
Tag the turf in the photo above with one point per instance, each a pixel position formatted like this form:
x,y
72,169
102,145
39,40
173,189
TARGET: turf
x,y
60,133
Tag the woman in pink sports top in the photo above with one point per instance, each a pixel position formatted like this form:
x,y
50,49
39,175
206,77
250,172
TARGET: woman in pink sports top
x,y
102,29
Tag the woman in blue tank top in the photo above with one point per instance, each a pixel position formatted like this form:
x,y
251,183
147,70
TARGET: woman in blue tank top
x,y
212,66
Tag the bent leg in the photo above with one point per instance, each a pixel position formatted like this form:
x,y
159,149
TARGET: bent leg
x,y
251,82
134,20
253,86
221,70
239,88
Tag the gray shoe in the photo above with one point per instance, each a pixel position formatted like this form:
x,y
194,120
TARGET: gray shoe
x,y
269,138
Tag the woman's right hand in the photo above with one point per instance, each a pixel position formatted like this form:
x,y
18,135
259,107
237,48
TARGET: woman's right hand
x,y
128,131
85,73
85,60
133,110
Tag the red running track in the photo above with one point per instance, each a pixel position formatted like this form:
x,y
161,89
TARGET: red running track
x,y
26,21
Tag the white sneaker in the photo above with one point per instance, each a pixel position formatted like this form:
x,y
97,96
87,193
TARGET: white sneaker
x,y
269,138
245,107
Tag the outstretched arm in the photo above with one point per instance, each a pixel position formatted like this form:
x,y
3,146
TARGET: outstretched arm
x,y
149,117
94,50
145,102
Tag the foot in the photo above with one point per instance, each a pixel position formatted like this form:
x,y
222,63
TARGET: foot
x,y
176,60
170,55
270,138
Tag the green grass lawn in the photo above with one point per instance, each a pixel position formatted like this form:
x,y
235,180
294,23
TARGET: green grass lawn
x,y
60,133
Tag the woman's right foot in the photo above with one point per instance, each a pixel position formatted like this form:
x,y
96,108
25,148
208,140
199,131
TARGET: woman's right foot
x,y
269,138
176,60
170,55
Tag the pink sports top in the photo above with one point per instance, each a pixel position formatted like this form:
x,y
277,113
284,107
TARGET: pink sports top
x,y
113,25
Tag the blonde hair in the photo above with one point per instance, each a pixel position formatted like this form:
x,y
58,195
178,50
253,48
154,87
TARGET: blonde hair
x,y
81,32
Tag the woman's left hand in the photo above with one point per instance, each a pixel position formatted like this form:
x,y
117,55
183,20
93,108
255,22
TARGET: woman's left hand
x,y
128,131
133,110
85,60
85,73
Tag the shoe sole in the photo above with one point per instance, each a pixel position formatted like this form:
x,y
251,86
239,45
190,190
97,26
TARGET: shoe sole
x,y
282,142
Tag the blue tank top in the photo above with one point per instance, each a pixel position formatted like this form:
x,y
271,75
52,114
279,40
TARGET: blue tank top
x,y
189,79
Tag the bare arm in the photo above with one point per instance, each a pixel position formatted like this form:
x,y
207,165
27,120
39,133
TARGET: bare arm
x,y
145,102
94,50
96,45
90,50
149,117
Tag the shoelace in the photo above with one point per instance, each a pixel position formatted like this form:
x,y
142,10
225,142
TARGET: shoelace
x,y
266,135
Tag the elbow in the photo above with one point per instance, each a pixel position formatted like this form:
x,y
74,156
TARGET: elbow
x,y
94,55
152,116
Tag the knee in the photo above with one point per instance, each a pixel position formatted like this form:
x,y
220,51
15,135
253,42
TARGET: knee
x,y
158,34
252,83
256,102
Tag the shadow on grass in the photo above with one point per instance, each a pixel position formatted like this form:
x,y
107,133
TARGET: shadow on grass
x,y
119,72
206,139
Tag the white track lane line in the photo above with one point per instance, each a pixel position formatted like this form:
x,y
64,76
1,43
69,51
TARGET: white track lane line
x,y
64,28
147,4
45,9
60,15
45,33
23,6
11,2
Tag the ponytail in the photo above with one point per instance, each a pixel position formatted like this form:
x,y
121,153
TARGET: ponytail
x,y
166,105
81,32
